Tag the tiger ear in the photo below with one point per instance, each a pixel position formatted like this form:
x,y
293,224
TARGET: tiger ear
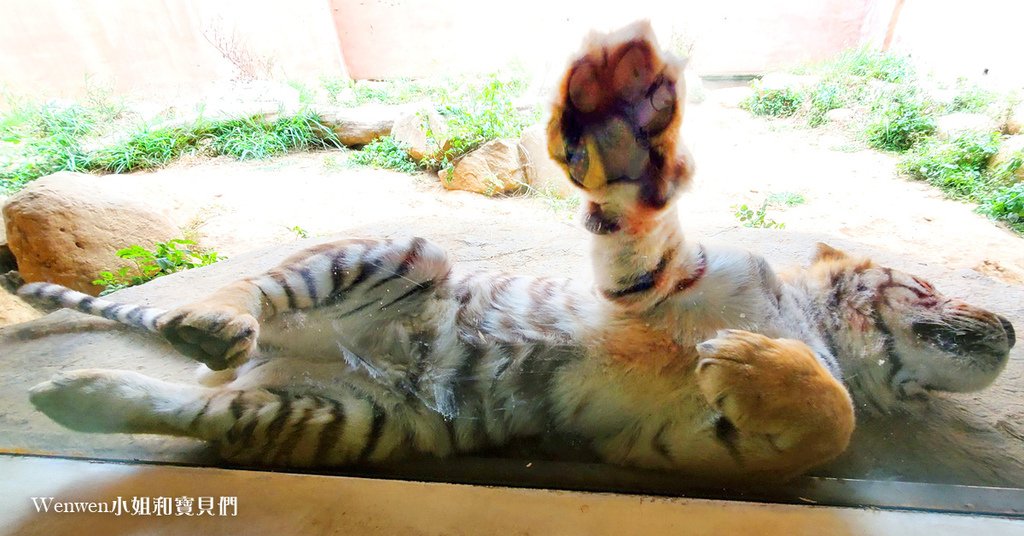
x,y
825,252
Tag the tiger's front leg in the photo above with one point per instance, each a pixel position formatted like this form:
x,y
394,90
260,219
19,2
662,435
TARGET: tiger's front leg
x,y
361,278
782,412
615,130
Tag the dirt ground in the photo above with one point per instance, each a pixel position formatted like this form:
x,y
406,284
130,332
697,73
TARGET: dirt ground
x,y
853,199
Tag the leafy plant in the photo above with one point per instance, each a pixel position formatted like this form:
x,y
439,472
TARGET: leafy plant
x,y
871,64
757,218
789,199
823,98
477,113
773,102
385,153
971,98
299,231
167,258
957,166
1007,204
900,117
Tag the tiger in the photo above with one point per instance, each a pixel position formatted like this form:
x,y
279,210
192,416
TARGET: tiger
x,y
678,356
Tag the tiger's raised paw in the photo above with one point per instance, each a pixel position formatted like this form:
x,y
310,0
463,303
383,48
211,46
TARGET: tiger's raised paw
x,y
616,121
220,338
776,392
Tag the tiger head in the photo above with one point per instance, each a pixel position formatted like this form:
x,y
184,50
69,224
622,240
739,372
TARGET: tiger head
x,y
898,339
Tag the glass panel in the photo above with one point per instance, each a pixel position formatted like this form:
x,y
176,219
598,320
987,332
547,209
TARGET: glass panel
x,y
816,273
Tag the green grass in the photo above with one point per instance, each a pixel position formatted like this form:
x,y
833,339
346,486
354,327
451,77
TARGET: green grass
x,y
956,166
385,153
51,140
773,102
961,168
901,116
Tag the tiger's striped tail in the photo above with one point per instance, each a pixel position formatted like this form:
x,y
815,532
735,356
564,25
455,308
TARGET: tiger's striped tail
x,y
51,295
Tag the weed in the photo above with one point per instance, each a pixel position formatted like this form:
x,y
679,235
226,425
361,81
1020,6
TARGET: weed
x,y
385,153
756,218
957,166
1006,204
253,139
299,231
900,117
143,150
167,258
789,199
871,64
773,102
306,95
555,200
823,98
971,98
477,113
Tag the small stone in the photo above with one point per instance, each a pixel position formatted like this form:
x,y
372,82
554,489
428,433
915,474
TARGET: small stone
x,y
492,169
411,129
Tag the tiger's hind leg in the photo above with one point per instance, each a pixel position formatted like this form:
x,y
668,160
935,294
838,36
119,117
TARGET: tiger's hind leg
x,y
251,425
361,278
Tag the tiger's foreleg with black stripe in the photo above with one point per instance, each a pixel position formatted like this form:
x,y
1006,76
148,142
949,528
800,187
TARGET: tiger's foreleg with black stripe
x,y
678,313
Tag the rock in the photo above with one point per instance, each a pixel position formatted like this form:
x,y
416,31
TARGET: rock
x,y
1014,123
361,125
952,125
67,227
542,173
731,97
840,116
240,100
411,130
13,310
695,92
493,169
1009,148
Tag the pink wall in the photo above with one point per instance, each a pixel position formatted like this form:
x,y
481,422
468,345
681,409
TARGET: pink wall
x,y
386,38
156,47
52,46
964,38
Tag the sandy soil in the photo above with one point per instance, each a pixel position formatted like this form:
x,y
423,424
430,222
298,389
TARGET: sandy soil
x,y
851,192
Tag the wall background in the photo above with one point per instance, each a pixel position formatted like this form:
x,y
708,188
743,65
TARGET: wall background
x,y
160,47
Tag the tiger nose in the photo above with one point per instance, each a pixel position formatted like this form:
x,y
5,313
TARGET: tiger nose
x,y
1011,337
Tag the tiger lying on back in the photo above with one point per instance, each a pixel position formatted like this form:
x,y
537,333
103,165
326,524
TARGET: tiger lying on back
x,y
683,357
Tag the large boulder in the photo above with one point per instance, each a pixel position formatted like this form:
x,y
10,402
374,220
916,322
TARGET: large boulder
x,y
1014,123
361,125
950,126
1010,148
67,227
492,169
542,173
412,129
